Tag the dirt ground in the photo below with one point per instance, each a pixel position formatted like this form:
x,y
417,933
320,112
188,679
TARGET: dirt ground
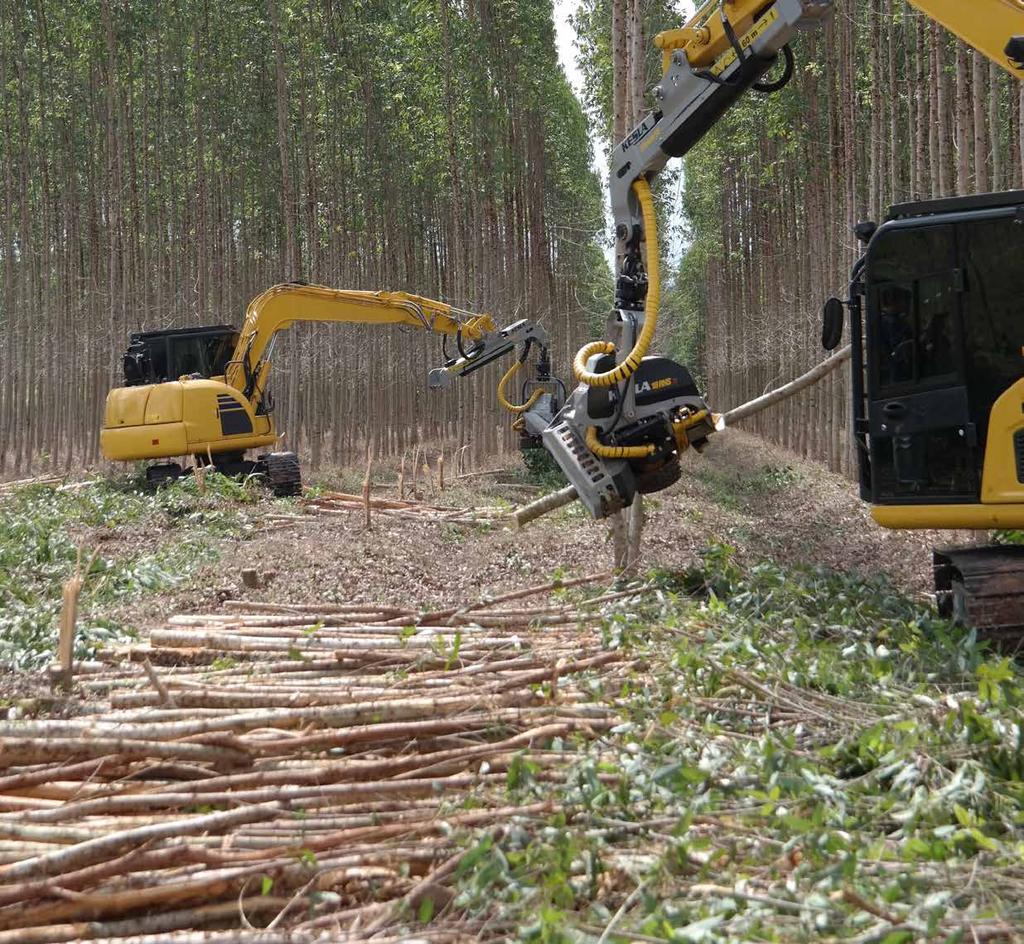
x,y
764,501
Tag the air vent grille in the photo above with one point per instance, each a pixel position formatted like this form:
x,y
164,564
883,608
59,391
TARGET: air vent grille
x,y
1018,451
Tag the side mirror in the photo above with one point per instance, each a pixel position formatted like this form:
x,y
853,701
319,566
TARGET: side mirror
x,y
832,324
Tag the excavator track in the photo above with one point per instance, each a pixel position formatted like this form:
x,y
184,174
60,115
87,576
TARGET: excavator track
x,y
983,588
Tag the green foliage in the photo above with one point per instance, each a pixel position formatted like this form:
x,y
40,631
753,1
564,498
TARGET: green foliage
x,y
592,22
730,488
43,531
794,741
542,469
1009,537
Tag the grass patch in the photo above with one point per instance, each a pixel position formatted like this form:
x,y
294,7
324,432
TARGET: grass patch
x,y
732,488
803,757
115,524
542,469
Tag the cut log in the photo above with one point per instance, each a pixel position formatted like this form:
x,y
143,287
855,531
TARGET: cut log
x,y
561,498
787,390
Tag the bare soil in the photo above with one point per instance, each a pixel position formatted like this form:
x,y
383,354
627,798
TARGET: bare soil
x,y
763,501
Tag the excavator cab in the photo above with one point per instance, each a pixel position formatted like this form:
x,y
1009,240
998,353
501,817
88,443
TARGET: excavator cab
x,y
159,356
937,325
939,344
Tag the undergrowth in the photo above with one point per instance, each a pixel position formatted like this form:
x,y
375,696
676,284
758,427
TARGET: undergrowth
x,y
126,539
542,469
803,756
731,488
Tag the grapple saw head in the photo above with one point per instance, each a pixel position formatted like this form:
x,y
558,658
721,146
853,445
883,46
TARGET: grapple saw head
x,y
639,434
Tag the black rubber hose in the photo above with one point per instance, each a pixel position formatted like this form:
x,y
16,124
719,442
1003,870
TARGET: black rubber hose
x,y
783,80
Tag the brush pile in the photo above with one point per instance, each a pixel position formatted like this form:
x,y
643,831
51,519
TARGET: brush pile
x,y
310,771
342,504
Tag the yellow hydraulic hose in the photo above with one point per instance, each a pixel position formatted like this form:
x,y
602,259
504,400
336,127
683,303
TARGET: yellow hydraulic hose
x,y
632,360
598,448
625,370
503,400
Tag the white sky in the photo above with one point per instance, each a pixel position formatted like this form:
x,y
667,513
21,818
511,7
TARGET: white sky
x,y
565,39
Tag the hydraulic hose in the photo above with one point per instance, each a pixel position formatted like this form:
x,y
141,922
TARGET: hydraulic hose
x,y
598,448
625,370
503,400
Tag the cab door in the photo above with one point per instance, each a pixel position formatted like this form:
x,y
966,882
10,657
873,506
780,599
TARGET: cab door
x,y
923,444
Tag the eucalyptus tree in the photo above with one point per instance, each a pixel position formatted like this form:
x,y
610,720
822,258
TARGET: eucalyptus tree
x,y
162,163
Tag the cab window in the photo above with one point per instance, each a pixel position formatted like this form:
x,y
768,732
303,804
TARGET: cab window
x,y
914,331
993,261
913,306
895,333
220,347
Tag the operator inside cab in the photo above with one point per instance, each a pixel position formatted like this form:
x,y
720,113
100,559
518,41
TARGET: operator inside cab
x,y
896,334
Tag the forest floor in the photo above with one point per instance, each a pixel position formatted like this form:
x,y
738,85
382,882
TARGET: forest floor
x,y
763,501
767,734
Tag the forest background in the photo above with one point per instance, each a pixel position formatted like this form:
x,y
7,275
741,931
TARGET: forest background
x,y
163,162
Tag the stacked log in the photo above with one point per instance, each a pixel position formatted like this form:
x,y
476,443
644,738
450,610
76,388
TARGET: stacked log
x,y
343,504
280,772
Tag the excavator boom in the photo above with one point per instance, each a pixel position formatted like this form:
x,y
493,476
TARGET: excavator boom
x,y
281,306
994,27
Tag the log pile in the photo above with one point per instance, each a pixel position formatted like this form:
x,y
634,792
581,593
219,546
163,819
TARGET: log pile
x,y
310,771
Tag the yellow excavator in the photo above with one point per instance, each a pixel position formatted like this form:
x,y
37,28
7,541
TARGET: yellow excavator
x,y
203,392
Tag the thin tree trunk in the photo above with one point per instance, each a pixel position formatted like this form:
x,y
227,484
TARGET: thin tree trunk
x,y
291,257
978,97
619,69
941,109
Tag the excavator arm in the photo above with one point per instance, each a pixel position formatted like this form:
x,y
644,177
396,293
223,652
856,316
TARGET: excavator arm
x,y
994,27
726,48
477,338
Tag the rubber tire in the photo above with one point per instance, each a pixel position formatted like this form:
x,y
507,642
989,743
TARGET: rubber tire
x,y
283,474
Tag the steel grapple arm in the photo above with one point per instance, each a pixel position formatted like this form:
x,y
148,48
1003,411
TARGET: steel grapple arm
x,y
625,426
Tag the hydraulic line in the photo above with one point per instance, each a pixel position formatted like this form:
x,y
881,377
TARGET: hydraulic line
x,y
598,448
503,400
625,370
632,360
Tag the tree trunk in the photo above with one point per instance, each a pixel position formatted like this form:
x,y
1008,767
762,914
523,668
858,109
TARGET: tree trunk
x,y
292,261
620,58
978,97
941,108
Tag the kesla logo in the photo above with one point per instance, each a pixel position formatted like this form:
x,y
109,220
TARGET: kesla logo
x,y
637,134
646,386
